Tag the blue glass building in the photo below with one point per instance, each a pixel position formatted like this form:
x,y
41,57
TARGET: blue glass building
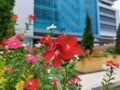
x,y
69,15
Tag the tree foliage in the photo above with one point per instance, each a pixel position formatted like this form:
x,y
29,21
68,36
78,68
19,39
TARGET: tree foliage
x,y
87,41
117,45
6,23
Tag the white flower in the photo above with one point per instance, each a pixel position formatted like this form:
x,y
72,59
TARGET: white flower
x,y
48,71
50,77
38,45
51,27
76,56
1,52
25,44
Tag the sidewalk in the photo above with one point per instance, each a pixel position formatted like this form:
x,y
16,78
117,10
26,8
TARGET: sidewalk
x,y
93,80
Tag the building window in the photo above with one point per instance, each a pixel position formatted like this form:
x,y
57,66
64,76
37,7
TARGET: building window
x,y
104,10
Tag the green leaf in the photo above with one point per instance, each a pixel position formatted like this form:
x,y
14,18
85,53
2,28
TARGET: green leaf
x,y
108,75
103,83
59,86
58,77
1,57
112,78
72,87
104,80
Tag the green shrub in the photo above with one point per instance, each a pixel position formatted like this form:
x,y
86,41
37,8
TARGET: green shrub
x,y
117,45
6,12
87,41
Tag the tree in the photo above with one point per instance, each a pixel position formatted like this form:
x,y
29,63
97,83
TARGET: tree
x,y
117,45
87,41
6,23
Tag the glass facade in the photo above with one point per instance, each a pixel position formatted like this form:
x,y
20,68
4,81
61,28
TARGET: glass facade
x,y
46,13
65,14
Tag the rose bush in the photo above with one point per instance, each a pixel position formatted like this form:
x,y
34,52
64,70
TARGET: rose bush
x,y
47,66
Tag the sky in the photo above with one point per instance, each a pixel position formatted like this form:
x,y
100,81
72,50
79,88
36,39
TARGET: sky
x,y
117,4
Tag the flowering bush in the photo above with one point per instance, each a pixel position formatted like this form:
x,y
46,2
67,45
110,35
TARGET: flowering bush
x,y
108,78
48,66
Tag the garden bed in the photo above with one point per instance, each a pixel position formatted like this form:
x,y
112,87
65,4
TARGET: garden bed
x,y
94,64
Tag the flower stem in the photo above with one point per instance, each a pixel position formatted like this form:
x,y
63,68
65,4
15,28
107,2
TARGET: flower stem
x,y
66,78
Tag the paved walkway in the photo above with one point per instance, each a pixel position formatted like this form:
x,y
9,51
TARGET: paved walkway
x,y
93,80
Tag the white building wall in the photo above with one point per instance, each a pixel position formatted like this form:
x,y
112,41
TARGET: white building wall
x,y
106,32
23,8
116,5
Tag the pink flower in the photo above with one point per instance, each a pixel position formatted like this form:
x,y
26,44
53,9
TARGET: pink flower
x,y
9,69
19,36
13,43
78,79
31,59
30,50
6,47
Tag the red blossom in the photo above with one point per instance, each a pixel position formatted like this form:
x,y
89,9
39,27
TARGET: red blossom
x,y
55,83
72,81
35,49
14,17
75,80
2,43
116,65
32,17
31,85
110,63
8,30
62,49
45,65
47,41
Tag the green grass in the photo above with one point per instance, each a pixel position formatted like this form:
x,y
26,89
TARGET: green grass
x,y
117,88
